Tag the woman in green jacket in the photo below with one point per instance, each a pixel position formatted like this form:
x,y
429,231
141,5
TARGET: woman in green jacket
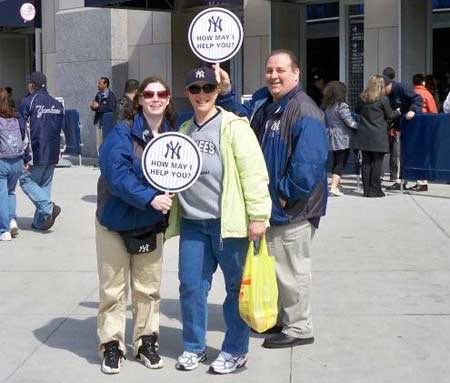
x,y
228,205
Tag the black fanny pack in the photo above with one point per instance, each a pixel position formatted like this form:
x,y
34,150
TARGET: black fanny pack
x,y
139,241
142,241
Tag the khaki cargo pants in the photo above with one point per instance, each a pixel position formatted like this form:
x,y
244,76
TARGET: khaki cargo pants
x,y
291,246
117,270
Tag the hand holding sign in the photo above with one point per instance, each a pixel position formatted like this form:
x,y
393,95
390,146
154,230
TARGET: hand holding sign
x,y
162,202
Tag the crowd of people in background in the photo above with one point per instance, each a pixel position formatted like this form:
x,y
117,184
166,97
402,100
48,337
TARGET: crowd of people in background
x,y
372,128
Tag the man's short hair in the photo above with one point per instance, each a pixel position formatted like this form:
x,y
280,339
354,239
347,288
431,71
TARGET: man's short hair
x,y
105,80
131,85
295,63
418,79
9,89
389,72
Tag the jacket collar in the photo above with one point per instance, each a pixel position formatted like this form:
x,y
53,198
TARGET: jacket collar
x,y
139,126
263,95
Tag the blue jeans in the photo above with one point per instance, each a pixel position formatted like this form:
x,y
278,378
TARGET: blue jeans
x,y
36,183
10,171
201,250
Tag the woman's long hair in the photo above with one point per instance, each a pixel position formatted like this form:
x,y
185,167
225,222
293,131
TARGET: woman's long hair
x,y
374,90
5,107
169,113
334,93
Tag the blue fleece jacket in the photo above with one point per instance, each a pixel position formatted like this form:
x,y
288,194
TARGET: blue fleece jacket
x,y
295,155
125,205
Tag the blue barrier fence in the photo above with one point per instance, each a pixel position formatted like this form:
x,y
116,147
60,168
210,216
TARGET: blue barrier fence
x,y
72,132
425,147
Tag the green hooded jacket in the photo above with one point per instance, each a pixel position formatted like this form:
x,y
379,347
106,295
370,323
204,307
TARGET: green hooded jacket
x,y
245,194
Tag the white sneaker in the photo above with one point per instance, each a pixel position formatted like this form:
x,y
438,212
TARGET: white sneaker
x,y
227,363
336,192
188,361
6,236
13,228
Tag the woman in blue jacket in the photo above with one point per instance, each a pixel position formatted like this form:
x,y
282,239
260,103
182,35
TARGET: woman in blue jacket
x,y
129,209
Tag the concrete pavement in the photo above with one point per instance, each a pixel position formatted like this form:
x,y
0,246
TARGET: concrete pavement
x,y
381,297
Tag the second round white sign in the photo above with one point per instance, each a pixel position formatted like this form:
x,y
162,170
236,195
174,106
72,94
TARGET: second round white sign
x,y
171,162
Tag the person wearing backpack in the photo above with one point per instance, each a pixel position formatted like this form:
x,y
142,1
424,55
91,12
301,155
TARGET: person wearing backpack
x,y
11,163
42,118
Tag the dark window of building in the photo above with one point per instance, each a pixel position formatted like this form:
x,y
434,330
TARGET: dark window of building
x,y
441,4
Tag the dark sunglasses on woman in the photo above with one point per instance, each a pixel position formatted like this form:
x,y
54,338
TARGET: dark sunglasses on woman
x,y
207,88
148,94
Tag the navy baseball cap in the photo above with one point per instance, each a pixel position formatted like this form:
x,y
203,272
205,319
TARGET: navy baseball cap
x,y
201,74
38,79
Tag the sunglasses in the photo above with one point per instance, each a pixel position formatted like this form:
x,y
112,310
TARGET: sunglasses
x,y
149,94
196,89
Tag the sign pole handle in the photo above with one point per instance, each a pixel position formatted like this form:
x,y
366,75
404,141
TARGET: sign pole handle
x,y
166,194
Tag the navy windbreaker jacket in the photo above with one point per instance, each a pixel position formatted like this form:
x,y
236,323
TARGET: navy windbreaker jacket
x,y
45,116
297,163
125,205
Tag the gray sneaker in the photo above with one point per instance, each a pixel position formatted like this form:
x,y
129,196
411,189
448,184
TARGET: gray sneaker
x,y
188,361
227,363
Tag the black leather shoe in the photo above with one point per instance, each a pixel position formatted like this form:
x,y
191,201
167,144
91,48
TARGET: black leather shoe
x,y
419,188
50,220
394,186
285,341
273,330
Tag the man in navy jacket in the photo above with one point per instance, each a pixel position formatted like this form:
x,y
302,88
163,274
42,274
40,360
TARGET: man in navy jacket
x,y
402,97
104,102
41,118
291,131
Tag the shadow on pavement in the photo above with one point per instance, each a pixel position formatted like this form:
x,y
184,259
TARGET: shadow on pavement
x,y
24,224
92,198
79,335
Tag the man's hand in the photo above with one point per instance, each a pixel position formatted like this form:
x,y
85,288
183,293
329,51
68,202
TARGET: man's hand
x,y
223,79
256,230
410,115
94,105
162,202
283,202
27,166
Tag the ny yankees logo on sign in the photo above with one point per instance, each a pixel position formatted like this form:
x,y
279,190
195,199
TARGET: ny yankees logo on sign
x,y
171,162
215,23
173,150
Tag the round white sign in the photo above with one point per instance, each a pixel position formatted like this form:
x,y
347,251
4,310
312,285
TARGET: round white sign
x,y
215,35
171,162
27,11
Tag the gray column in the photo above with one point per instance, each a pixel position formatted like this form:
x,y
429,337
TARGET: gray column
x,y
257,45
381,36
289,30
90,43
48,53
416,38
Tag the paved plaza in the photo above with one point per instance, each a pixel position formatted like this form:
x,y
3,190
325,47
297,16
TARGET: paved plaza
x,y
381,300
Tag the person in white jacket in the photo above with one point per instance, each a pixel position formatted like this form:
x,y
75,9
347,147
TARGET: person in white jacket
x,y
447,104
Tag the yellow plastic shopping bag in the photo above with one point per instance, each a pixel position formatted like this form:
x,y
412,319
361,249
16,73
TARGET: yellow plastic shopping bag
x,y
258,298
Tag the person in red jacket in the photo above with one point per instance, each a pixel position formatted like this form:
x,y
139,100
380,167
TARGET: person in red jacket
x,y
429,104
